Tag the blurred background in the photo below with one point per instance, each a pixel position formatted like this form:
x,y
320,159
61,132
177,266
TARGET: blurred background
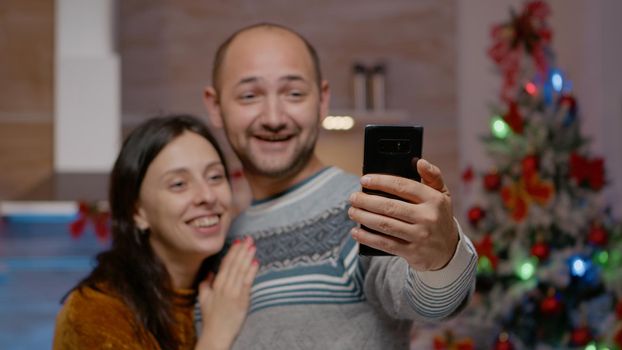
x,y
77,75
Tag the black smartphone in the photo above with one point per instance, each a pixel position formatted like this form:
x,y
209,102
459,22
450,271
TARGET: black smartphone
x,y
390,149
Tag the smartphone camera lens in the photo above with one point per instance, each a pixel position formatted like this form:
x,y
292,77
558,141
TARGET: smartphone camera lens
x,y
394,146
403,147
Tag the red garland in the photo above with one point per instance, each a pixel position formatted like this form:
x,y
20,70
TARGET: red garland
x,y
527,31
513,118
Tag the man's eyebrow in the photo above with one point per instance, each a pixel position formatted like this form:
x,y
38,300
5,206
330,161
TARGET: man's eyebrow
x,y
247,80
293,77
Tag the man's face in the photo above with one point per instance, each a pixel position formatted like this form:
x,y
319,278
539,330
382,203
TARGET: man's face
x,y
269,101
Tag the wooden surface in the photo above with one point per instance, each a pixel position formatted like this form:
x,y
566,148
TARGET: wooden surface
x,y
25,157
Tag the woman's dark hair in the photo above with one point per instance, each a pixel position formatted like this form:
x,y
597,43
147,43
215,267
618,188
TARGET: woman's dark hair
x,y
130,268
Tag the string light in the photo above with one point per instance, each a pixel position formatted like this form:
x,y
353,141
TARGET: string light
x,y
500,129
594,346
338,122
601,258
557,81
578,266
526,270
484,265
531,88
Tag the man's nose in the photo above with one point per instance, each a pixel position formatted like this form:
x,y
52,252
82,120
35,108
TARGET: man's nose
x,y
274,117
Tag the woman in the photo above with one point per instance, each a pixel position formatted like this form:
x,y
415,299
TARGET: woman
x,y
170,202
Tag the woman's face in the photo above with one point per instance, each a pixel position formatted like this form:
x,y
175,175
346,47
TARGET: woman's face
x,y
185,200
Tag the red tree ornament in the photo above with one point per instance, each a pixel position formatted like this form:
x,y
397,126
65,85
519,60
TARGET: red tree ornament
x,y
619,310
476,214
467,175
568,101
541,250
580,336
492,181
503,342
597,236
550,305
485,249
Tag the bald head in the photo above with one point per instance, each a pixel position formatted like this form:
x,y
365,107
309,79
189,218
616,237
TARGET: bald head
x,y
221,53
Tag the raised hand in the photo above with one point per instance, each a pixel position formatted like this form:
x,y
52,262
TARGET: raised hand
x,y
420,228
224,298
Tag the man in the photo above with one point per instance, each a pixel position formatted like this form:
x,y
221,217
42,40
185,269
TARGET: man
x,y
313,291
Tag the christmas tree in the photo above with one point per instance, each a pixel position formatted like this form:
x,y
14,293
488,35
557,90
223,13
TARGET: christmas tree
x,y
550,268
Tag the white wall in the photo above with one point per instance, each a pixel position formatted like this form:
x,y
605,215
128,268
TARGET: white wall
x,y
586,39
86,87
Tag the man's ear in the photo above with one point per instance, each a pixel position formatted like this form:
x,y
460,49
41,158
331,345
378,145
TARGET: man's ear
x,y
324,99
140,218
212,104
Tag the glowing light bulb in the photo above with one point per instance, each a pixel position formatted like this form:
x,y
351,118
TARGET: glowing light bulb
x,y
601,258
578,267
484,265
500,129
531,88
557,81
591,346
526,270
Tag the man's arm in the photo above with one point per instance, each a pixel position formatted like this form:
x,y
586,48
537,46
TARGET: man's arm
x,y
403,293
438,262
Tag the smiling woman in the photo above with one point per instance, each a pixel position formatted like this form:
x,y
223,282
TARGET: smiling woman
x,y
170,203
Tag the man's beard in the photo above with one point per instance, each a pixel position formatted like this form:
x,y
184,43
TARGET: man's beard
x,y
296,164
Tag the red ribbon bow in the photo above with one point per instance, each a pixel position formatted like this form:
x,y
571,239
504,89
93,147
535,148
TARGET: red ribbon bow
x,y
91,213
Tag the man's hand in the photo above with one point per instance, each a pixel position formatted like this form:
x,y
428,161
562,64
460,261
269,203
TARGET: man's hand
x,y
420,228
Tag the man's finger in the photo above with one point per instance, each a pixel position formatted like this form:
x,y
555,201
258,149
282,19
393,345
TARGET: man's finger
x,y
431,175
383,224
394,208
406,189
389,244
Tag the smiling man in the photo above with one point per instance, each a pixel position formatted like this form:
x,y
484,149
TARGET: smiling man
x,y
313,290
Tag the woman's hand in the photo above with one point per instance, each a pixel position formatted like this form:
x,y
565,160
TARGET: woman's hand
x,y
224,298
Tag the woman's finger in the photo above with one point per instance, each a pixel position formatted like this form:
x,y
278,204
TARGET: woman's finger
x,y
225,266
241,266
